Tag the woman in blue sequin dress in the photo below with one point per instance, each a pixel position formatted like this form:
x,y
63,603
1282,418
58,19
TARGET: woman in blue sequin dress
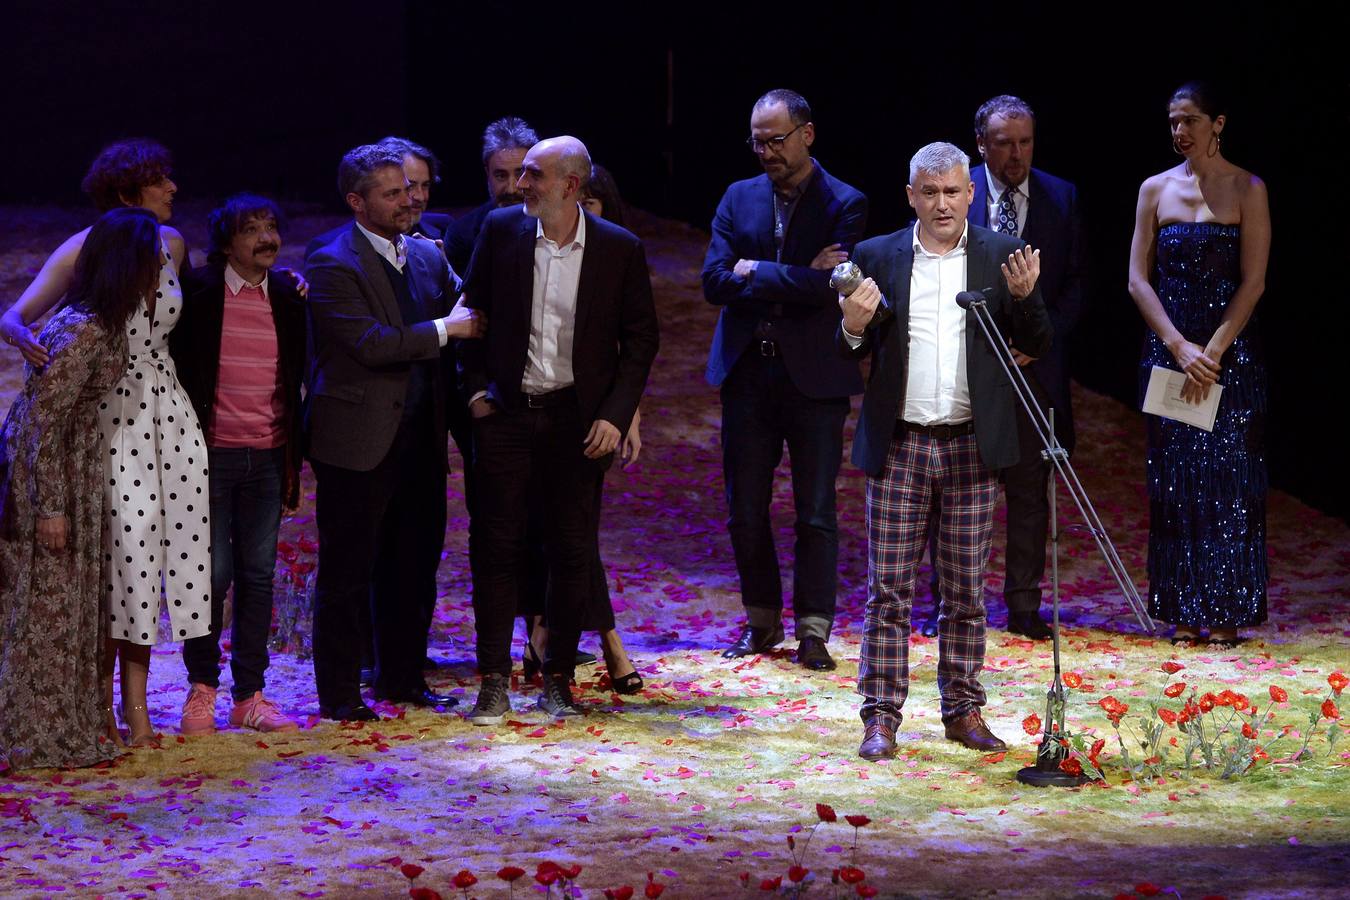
x,y
1197,269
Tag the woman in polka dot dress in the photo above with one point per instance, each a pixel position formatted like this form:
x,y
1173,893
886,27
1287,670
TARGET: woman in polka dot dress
x,y
155,495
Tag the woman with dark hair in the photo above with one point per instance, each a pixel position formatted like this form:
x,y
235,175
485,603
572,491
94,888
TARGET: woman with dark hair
x,y
1197,270
599,197
53,624
155,488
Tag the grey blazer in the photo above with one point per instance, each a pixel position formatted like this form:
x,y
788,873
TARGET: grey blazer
x,y
360,352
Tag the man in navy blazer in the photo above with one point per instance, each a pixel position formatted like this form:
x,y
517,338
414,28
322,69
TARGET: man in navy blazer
x,y
775,240
380,308
1043,211
572,333
938,423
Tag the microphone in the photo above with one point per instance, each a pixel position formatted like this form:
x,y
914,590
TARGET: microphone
x,y
846,278
966,298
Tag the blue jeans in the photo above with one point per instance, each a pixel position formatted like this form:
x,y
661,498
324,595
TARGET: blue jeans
x,y
245,516
762,410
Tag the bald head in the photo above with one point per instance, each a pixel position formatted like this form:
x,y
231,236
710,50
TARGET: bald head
x,y
555,170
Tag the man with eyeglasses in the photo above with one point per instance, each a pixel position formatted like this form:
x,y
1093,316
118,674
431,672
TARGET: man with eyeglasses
x,y
775,240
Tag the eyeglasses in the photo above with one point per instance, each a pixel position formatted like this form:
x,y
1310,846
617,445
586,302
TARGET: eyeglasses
x,y
774,143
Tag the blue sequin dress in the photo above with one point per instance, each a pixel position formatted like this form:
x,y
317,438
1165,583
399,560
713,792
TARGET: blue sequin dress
x,y
1207,490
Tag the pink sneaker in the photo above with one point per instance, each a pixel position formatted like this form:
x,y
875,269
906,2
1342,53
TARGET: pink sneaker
x,y
258,713
199,712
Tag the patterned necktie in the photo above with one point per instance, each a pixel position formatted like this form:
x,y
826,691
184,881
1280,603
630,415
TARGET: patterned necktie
x,y
1007,213
401,251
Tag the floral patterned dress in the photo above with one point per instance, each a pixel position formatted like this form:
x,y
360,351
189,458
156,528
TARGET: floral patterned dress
x,y
53,623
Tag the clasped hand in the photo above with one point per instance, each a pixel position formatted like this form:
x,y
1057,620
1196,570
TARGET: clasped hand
x,y
1202,372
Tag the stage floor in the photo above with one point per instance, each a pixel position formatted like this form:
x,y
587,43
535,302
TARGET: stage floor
x,y
704,781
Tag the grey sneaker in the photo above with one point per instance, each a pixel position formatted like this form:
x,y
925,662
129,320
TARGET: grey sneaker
x,y
492,704
556,700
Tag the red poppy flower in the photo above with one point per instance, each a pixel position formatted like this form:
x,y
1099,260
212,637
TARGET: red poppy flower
x,y
1097,747
653,890
571,871
1329,709
1114,709
1172,667
1259,754
857,821
1147,889
1168,717
1240,702
619,893
866,890
1073,679
1032,724
546,876
510,873
797,874
1175,690
1223,698
851,875
1338,682
423,893
1207,702
411,870
771,884
745,878
1279,694
826,812
464,879
308,544
286,550
1071,765
1248,731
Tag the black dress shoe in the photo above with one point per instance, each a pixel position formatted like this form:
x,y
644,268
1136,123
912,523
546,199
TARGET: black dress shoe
x,y
813,654
754,640
930,625
1029,624
424,697
349,712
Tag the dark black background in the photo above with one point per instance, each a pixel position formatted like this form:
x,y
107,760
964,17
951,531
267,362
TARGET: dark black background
x,y
268,96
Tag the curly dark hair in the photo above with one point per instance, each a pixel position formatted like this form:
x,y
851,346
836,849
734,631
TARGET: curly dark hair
x,y
123,169
228,220
118,266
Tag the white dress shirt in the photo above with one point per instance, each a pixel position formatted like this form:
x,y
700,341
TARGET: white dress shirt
x,y
236,283
553,311
396,254
1020,200
936,390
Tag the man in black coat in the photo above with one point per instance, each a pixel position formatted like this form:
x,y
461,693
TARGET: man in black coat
x,y
938,423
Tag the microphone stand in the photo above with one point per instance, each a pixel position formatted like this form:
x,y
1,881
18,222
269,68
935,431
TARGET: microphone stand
x,y
1047,772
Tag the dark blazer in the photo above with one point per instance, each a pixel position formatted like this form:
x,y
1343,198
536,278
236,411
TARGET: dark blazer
x,y
194,345
361,350
1054,227
462,234
890,261
431,225
616,333
792,295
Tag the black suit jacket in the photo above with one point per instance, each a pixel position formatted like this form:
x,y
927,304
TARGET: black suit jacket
x,y
1054,227
463,234
890,261
616,333
362,352
194,345
796,298
431,225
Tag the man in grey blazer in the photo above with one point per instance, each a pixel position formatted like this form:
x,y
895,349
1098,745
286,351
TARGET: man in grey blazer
x,y
380,318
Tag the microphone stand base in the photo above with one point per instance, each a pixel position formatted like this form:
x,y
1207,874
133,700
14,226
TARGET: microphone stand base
x,y
1039,777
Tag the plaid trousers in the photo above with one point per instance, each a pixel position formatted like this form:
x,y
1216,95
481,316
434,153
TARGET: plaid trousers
x,y
922,472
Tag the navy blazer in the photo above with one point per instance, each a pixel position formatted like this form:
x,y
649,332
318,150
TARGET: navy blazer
x,y
796,298
890,261
616,332
1054,227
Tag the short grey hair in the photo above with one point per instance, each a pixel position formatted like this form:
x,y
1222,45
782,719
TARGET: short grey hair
x,y
507,133
356,172
936,158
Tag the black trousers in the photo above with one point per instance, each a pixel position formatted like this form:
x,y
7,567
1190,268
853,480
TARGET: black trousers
x,y
531,460
380,539
1025,486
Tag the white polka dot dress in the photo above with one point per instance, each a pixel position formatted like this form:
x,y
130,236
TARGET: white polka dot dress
x,y
155,490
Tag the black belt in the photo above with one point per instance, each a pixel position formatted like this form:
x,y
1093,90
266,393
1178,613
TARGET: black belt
x,y
937,432
552,398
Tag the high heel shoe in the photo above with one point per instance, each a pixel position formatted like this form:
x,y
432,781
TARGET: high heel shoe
x,y
138,739
622,684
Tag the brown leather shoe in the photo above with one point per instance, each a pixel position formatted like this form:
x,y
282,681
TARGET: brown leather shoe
x,y
971,731
878,742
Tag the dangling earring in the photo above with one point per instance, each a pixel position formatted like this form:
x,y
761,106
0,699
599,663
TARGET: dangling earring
x,y
1175,148
1218,145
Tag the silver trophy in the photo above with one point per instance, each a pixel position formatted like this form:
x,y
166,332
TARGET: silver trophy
x,y
846,278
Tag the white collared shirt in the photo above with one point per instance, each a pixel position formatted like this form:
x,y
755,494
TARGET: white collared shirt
x,y
234,282
1020,200
936,389
553,310
396,254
